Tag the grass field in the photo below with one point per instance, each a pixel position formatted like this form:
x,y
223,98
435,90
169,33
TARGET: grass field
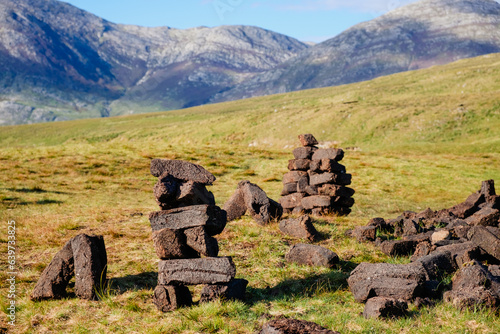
x,y
413,140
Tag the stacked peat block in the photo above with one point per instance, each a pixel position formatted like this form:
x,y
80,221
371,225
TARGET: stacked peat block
x,y
184,231
316,182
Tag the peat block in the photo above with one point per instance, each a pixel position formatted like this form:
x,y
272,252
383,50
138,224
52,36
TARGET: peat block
x,y
398,247
482,237
383,307
387,280
261,208
89,253
299,164
308,140
312,255
487,216
291,201
199,240
312,202
304,152
334,178
335,190
293,326
172,244
181,170
365,233
54,279
289,188
336,154
294,176
210,270
182,218
473,285
301,227
171,297
235,206
227,291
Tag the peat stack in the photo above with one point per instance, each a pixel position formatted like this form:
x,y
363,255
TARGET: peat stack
x,y
183,232
316,182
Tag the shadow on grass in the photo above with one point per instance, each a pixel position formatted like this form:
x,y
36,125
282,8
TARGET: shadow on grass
x,y
14,201
137,282
305,287
37,190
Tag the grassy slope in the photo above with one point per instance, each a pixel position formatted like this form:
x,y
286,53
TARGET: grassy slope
x,y
425,139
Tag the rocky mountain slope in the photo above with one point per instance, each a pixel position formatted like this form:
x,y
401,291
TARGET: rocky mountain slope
x,y
419,35
59,62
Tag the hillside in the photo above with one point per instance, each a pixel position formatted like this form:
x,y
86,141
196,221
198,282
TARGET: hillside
x,y
453,107
413,140
415,36
58,62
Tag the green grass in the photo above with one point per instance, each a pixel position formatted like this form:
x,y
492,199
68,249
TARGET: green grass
x,y
417,141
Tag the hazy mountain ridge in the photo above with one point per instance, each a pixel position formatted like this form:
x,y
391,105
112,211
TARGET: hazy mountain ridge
x,y
419,35
54,56
58,62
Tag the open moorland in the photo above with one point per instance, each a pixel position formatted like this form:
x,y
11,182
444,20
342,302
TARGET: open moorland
x,y
413,140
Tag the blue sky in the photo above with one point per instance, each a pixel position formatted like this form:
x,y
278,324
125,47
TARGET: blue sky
x,y
314,20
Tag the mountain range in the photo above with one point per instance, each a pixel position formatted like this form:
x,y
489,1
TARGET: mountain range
x,y
58,62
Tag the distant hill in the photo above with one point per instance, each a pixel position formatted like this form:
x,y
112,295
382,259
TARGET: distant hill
x,y
419,35
449,108
59,62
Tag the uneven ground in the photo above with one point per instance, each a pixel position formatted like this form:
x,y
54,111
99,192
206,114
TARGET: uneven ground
x,y
417,140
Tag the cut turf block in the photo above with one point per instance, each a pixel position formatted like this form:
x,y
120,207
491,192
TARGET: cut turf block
x,y
294,176
259,206
312,202
398,281
398,247
210,270
291,201
235,205
487,216
334,190
199,240
307,139
210,216
474,286
165,191
194,193
171,244
336,154
54,279
383,307
312,255
331,166
323,178
299,164
227,291
304,152
289,188
181,170
482,237
89,253
171,297
293,326
301,227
